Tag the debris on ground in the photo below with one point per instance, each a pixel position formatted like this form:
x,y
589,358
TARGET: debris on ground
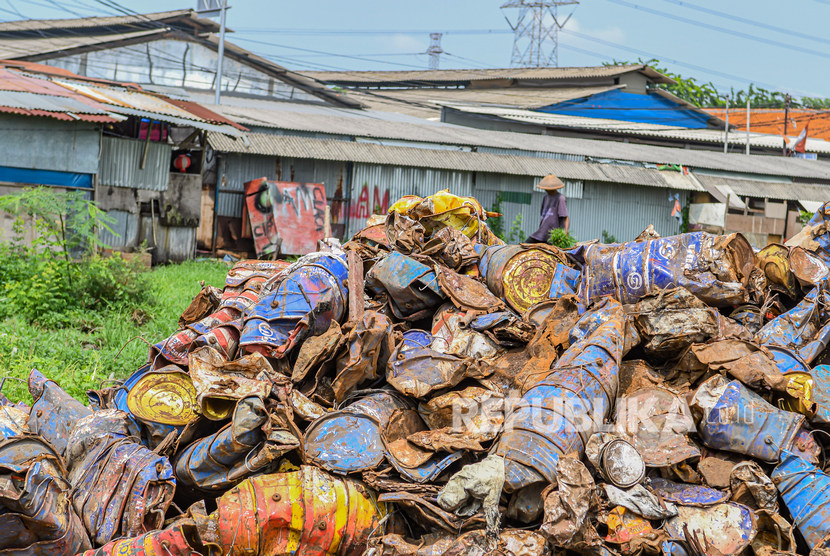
x,y
425,390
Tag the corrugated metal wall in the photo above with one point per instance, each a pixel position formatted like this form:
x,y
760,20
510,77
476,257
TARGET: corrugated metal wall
x,y
375,187
528,203
124,230
121,164
240,168
49,144
622,210
236,169
329,173
173,244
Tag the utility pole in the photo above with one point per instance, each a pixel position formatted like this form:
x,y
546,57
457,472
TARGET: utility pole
x,y
786,118
747,125
435,50
224,10
536,31
726,130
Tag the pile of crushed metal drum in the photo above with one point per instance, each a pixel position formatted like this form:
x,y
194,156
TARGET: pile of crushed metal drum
x,y
425,389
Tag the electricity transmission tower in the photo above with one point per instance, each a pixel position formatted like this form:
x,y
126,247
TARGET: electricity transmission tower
x,y
536,31
435,50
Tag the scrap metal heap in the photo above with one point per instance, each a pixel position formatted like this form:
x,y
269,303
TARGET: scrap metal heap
x,y
425,389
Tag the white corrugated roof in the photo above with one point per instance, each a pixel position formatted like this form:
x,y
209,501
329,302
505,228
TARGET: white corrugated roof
x,y
374,153
387,125
785,190
713,136
426,77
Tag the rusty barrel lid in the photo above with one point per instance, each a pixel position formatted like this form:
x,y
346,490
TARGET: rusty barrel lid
x,y
522,276
621,463
349,440
167,397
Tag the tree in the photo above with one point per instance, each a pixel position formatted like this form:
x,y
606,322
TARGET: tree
x,y
706,95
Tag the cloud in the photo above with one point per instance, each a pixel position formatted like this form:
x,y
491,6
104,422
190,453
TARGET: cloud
x,y
407,43
610,34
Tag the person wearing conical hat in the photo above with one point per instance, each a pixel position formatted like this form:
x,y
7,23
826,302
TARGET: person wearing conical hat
x,y
554,210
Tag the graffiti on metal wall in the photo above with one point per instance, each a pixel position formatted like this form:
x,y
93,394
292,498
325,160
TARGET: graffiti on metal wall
x,y
366,205
286,217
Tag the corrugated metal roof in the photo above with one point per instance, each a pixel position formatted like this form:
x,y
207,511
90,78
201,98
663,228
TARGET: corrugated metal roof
x,y
20,40
789,191
710,136
380,125
51,103
141,20
43,94
373,153
373,78
117,98
426,103
39,48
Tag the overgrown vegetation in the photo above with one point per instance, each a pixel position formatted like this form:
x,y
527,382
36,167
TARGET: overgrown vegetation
x,y
107,342
51,268
67,309
707,95
497,224
560,238
608,237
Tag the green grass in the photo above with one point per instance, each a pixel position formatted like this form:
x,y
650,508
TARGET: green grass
x,y
83,356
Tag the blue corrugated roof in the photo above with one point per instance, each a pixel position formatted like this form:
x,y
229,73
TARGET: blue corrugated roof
x,y
631,107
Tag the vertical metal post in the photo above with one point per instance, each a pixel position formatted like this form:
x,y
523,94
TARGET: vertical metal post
x,y
784,139
224,10
747,125
726,131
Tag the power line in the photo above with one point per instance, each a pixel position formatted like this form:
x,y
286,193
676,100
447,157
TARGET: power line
x,y
644,53
266,43
317,31
764,41
749,21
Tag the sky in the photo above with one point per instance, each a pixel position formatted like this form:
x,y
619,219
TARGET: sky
x,y
730,43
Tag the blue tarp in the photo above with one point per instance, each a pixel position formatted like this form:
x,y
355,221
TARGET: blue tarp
x,y
631,107
45,177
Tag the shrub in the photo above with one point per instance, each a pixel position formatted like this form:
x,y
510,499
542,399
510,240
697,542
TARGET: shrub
x,y
42,283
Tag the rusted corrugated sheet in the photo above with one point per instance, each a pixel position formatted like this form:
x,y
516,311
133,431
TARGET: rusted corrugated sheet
x,y
121,161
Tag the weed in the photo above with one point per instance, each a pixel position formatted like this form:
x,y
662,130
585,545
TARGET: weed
x,y
82,350
560,238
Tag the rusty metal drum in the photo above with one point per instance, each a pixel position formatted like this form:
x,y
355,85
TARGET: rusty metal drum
x,y
304,512
166,397
349,440
525,276
176,540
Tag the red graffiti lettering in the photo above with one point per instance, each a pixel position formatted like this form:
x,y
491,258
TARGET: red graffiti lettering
x,y
361,208
380,207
